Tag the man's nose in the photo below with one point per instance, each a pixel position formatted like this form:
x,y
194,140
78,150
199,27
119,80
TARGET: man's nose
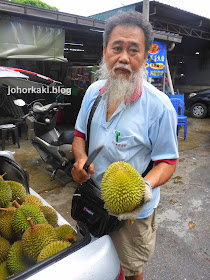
x,y
124,57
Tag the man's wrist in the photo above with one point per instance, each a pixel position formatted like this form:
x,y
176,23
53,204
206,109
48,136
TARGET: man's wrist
x,y
148,183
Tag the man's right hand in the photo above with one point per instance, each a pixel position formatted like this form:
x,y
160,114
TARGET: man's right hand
x,y
78,172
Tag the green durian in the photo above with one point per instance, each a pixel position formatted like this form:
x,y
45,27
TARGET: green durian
x,y
50,215
4,248
16,260
66,233
18,191
4,272
36,237
5,194
19,219
122,187
32,200
6,229
52,249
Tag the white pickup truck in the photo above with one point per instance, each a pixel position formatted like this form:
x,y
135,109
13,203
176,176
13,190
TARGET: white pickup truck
x,y
89,258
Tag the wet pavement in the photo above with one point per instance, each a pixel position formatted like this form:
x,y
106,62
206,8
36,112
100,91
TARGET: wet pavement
x,y
182,248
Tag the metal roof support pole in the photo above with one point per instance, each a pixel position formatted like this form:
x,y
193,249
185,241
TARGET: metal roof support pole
x,y
164,84
146,15
146,9
169,77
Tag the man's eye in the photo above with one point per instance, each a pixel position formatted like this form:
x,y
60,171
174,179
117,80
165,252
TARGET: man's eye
x,y
116,48
133,50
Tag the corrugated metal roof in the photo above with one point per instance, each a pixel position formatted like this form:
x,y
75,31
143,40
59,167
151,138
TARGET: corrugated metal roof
x,y
159,35
179,9
50,15
105,15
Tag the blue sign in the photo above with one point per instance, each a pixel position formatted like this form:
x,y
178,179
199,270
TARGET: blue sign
x,y
156,61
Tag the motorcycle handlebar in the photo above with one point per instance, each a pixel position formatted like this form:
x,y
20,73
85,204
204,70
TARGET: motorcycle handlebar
x,y
24,117
45,109
64,104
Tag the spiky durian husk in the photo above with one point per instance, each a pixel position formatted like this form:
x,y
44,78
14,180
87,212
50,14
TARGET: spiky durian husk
x,y
50,215
36,238
66,232
32,200
18,191
4,248
5,194
6,229
19,219
122,187
16,260
52,249
4,272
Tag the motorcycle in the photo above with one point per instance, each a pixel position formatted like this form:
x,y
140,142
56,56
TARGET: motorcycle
x,y
53,147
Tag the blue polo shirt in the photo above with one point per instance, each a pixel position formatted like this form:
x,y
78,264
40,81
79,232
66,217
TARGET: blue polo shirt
x,y
136,133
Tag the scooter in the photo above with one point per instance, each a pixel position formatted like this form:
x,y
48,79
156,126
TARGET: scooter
x,y
54,148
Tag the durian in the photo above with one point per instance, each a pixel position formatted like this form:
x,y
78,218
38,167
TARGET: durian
x,y
66,233
5,194
6,229
19,219
52,249
122,187
50,215
1,176
18,191
16,260
36,238
4,248
32,200
4,272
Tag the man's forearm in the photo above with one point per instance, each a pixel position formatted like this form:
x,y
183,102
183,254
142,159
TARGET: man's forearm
x,y
160,174
78,173
78,148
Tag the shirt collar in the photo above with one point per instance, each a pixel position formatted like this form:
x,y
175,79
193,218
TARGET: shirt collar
x,y
136,94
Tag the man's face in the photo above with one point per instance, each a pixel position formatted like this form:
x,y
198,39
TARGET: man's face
x,y
126,46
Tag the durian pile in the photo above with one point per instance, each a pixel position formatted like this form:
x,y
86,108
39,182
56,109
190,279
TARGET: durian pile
x,y
29,232
122,187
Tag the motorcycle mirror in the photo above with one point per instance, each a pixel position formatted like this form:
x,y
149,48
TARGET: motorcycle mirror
x,y
19,102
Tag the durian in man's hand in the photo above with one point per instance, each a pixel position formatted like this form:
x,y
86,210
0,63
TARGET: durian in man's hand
x,y
122,187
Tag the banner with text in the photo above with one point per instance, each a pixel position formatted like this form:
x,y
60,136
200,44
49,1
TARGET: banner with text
x,y
156,61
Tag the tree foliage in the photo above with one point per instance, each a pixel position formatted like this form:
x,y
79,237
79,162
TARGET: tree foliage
x,y
35,3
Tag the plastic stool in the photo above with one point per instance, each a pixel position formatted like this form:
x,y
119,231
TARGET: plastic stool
x,y
7,128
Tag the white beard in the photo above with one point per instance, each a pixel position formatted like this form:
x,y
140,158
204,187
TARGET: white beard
x,y
117,90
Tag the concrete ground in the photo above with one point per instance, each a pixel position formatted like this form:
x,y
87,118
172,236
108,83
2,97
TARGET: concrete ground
x,y
182,248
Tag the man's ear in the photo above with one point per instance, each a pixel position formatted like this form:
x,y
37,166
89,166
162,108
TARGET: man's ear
x,y
104,50
146,56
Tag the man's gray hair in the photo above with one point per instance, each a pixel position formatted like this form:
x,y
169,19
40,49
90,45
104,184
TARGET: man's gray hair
x,y
131,18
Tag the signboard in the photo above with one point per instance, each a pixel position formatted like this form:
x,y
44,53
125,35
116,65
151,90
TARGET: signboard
x,y
156,61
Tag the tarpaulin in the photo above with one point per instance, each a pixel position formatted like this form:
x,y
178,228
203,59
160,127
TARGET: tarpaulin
x,y
29,40
156,61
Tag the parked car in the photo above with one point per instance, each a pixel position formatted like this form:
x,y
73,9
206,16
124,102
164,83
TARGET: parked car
x,y
198,103
89,258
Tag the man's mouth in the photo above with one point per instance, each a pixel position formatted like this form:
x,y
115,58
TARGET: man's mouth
x,y
122,70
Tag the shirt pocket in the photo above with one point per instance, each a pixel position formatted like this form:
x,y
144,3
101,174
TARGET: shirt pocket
x,y
118,148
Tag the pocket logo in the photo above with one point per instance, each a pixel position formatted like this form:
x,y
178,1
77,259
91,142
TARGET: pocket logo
x,y
88,211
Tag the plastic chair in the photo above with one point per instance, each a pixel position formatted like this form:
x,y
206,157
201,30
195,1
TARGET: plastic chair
x,y
182,120
7,128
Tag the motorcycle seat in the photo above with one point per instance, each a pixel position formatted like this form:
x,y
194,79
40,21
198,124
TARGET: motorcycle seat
x,y
66,137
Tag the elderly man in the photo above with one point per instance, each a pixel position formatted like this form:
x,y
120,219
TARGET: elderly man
x,y
136,123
